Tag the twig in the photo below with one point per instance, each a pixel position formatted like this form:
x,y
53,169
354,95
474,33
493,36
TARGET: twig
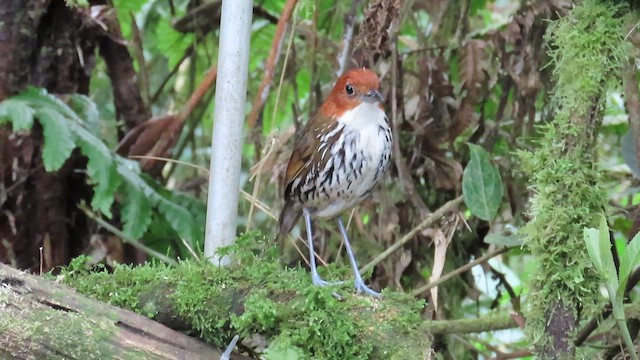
x,y
518,354
472,347
433,217
515,299
200,91
272,60
257,178
349,24
467,326
459,270
191,125
136,244
171,73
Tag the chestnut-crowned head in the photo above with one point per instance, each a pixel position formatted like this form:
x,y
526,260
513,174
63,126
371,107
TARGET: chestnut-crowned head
x,y
354,87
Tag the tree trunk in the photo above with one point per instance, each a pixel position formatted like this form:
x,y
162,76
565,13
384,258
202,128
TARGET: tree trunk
x,y
41,319
47,44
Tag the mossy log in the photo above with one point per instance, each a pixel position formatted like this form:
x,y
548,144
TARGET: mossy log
x,y
276,311
41,319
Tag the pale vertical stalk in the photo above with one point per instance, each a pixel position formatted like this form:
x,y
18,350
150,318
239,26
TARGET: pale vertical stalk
x,y
349,24
226,152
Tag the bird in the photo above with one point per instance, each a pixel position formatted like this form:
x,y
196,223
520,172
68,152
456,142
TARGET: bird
x,y
337,160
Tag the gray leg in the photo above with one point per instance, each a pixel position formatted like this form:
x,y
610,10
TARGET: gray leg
x,y
312,256
359,283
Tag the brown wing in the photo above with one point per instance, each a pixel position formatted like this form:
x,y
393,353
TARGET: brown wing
x,y
305,154
305,151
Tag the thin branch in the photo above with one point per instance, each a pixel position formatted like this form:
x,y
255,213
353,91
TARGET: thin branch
x,y
515,299
171,73
433,217
349,24
459,271
492,322
136,244
200,91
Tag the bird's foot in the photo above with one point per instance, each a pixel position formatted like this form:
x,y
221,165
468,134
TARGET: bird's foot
x,y
317,281
362,287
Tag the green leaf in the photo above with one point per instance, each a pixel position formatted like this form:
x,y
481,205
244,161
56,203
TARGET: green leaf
x,y
481,185
86,110
592,240
20,114
136,212
58,143
599,249
628,261
100,168
39,98
608,266
179,217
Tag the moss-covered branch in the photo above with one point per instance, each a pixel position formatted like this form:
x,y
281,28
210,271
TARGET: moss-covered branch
x,y
258,298
588,51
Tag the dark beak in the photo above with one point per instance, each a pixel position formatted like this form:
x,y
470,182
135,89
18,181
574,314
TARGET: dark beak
x,y
373,96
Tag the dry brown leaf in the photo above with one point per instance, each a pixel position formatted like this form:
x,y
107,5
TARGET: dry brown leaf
x,y
403,261
473,65
107,248
441,243
465,117
445,173
154,138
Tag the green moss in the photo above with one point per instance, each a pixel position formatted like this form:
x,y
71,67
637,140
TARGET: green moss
x,y
258,296
588,53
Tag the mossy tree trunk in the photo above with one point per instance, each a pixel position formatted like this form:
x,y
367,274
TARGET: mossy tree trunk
x,y
588,51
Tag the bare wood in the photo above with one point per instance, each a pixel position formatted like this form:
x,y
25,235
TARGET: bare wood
x,y
43,319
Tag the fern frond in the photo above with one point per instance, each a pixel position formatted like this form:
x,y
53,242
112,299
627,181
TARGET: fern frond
x,y
136,213
20,114
58,143
66,127
100,168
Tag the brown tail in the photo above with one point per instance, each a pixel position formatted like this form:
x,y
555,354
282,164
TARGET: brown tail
x,y
288,218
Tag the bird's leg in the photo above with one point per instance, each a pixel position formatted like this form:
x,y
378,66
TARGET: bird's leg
x,y
359,283
315,278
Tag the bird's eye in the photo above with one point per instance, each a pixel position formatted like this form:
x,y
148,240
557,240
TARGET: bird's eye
x,y
349,89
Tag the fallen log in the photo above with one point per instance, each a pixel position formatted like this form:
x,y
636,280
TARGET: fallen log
x,y
41,319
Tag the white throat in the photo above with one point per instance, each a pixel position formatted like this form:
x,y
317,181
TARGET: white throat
x,y
364,115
